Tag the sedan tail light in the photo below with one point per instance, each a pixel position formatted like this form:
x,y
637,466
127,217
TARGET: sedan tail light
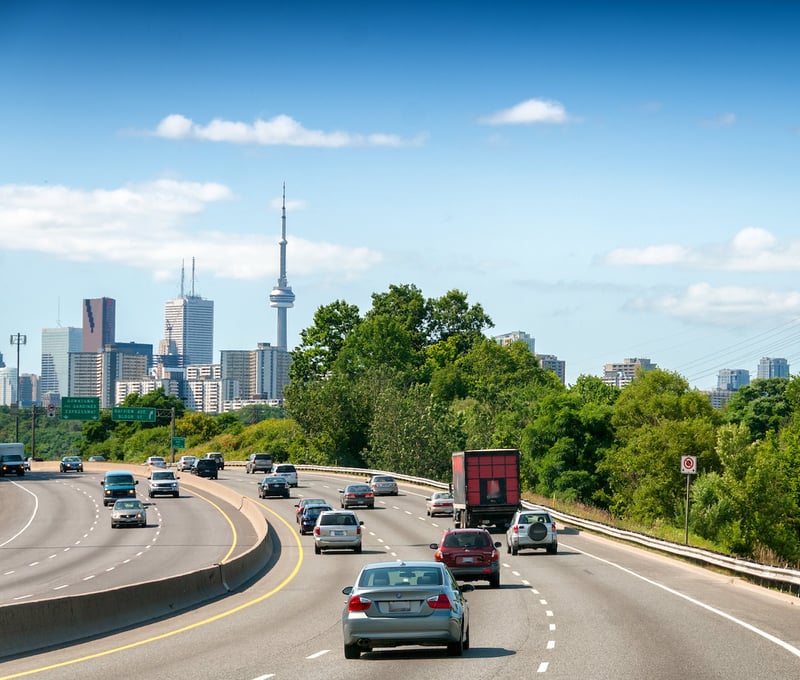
x,y
358,604
440,601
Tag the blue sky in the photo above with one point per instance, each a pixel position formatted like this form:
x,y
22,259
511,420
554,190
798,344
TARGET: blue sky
x,y
616,179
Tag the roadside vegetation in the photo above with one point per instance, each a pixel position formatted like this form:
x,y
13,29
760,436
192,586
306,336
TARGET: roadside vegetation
x,y
401,386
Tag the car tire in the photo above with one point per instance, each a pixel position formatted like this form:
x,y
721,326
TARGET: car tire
x,y
176,494
514,550
552,549
352,652
455,648
494,581
317,550
357,550
466,640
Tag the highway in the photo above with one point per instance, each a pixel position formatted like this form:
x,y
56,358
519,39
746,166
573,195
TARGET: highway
x,y
597,609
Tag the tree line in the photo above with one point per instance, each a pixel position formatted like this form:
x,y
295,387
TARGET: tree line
x,y
403,385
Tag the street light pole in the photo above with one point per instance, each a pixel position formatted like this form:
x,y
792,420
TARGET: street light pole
x,y
18,339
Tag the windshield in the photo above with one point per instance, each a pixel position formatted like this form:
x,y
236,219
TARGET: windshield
x,y
119,479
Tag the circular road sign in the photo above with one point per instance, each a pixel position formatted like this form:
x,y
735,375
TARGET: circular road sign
x,y
689,465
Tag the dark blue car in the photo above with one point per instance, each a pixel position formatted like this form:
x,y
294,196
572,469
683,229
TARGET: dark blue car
x,y
308,518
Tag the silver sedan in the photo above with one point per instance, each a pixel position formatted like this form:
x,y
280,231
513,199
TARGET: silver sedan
x,y
394,604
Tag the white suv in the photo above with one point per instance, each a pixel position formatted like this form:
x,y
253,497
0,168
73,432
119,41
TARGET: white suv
x,y
287,471
532,529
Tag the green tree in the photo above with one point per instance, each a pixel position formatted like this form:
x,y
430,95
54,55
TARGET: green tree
x,y
763,405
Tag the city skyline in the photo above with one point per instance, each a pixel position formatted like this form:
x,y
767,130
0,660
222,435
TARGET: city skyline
x,y
614,178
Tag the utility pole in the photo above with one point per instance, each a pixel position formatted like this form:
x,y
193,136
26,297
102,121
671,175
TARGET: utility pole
x,y
18,339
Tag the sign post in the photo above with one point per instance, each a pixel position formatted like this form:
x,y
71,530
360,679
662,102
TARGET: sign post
x,y
689,468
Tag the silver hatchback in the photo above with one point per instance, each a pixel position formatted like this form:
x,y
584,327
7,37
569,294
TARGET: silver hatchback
x,y
532,529
337,529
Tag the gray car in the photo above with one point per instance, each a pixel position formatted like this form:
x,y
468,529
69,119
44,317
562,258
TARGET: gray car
x,y
128,512
356,495
383,485
532,529
394,604
336,530
163,483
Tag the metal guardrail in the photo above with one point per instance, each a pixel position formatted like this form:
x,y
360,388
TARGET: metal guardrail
x,y
775,577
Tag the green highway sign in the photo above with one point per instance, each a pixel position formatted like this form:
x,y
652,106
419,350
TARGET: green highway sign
x,y
179,442
132,414
80,408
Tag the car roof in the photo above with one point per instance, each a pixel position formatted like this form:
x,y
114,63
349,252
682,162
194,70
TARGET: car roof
x,y
403,563
339,512
466,530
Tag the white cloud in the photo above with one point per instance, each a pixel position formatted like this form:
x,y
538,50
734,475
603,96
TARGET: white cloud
x,y
722,120
751,250
730,305
145,226
281,130
527,112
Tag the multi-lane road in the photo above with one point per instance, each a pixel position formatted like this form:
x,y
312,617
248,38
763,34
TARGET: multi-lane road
x,y
596,610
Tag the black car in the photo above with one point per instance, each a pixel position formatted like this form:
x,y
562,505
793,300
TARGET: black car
x,y
273,486
205,467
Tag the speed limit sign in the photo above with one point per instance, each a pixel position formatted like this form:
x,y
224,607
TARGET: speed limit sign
x,y
689,465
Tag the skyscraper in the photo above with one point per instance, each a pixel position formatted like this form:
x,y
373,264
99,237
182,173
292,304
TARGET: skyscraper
x,y
282,296
57,343
99,323
772,368
189,328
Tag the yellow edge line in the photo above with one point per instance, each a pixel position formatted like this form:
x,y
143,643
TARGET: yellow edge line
x,y
227,519
192,626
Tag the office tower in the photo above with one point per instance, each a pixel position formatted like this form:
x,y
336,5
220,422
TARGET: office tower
x,y
188,329
550,362
282,296
772,368
95,374
732,378
516,336
57,344
99,324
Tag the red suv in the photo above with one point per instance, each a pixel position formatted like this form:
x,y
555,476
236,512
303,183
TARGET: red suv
x,y
470,554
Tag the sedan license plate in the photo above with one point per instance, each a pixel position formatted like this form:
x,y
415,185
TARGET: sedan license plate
x,y
400,606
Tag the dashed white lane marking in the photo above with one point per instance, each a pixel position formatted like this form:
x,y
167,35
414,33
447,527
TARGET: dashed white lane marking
x,y
552,627
551,644
22,597
66,585
88,578
316,655
8,573
51,556
548,613
33,564
265,677
542,601
542,667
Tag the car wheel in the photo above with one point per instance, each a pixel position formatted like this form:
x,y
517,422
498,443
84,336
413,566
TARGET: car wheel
x,y
494,581
514,550
113,526
317,550
466,640
552,548
176,494
508,548
455,648
352,652
358,549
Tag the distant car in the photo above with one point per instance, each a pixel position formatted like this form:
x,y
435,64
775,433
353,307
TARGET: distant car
x,y
308,518
128,512
71,463
439,503
405,603
205,467
287,471
470,554
217,457
258,462
273,486
304,502
336,530
27,463
156,461
532,529
383,485
356,495
97,459
185,463
163,483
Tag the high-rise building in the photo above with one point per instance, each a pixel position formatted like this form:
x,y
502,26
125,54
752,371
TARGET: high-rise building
x,y
517,336
732,378
188,330
28,390
99,324
282,296
550,362
95,374
57,344
772,368
622,374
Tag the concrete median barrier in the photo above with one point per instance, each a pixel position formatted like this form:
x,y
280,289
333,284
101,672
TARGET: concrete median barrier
x,y
34,625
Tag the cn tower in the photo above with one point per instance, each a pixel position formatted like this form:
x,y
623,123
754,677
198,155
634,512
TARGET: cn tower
x,y
282,296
